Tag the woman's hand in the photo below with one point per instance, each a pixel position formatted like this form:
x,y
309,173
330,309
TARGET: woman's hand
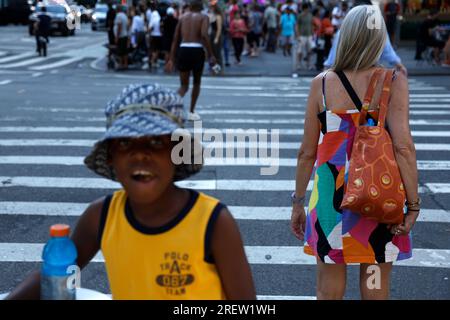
x,y
298,221
169,66
408,223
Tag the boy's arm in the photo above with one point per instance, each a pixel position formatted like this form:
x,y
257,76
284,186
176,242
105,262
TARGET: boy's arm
x,y
86,233
85,237
230,259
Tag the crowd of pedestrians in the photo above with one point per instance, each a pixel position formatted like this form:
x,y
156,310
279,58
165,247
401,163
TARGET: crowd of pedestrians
x,y
302,30
243,28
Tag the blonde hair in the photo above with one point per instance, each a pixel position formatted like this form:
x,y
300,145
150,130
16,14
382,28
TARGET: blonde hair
x,y
361,40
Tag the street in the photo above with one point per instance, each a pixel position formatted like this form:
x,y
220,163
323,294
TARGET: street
x,y
52,111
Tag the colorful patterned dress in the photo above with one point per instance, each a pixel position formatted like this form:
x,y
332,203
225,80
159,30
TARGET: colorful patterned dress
x,y
339,236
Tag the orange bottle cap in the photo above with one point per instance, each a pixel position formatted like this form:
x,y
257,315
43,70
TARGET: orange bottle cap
x,y
59,230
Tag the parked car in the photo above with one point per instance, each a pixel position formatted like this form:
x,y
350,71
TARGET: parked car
x,y
98,20
60,15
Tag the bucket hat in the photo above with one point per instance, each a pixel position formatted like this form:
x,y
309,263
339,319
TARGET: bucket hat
x,y
142,110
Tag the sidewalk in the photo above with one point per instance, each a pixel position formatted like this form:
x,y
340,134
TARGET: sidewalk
x,y
276,65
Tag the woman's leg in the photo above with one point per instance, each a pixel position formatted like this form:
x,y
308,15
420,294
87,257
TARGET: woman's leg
x,y
331,280
374,281
238,47
235,47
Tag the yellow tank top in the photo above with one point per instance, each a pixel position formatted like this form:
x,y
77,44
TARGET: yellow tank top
x,y
164,263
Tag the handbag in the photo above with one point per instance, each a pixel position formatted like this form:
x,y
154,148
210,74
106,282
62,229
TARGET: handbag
x,y
374,187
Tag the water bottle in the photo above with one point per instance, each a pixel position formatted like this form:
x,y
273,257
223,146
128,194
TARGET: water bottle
x,y
59,258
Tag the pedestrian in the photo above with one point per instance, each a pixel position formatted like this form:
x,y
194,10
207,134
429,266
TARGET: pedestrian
x,y
137,31
287,24
189,44
327,31
391,11
255,29
321,7
155,36
446,62
42,31
428,38
305,36
121,36
226,37
238,31
338,15
169,24
244,12
271,20
338,237
110,17
159,241
318,39
216,27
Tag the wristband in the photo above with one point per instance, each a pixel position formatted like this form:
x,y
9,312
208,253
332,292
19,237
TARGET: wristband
x,y
297,200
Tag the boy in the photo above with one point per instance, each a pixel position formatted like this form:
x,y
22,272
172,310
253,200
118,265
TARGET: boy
x,y
159,241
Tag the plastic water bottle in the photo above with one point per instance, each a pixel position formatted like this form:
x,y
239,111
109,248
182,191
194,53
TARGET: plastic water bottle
x,y
59,257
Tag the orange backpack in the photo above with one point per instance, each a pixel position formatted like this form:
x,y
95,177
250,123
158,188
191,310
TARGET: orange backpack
x,y
374,187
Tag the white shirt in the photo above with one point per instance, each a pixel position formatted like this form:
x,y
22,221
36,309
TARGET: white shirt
x,y
121,18
148,15
337,11
137,25
154,24
293,7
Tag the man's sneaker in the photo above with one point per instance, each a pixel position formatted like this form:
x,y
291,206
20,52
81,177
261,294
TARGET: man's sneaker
x,y
193,116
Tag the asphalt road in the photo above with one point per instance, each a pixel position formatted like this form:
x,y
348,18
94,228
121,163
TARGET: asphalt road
x,y
51,116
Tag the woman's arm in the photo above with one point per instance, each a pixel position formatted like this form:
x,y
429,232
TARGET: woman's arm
x,y
404,150
85,237
230,259
306,157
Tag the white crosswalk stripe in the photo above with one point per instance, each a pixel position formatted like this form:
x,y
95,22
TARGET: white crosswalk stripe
x,y
225,184
233,131
239,212
226,162
61,58
279,255
23,182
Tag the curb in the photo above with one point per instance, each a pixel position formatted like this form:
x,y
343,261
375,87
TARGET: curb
x,y
411,72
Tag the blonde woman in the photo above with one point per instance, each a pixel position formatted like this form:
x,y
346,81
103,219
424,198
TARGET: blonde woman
x,y
340,237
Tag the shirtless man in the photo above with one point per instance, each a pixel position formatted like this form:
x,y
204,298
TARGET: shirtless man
x,y
192,32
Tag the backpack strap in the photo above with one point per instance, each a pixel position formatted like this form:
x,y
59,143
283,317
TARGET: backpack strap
x,y
348,87
369,95
324,102
384,100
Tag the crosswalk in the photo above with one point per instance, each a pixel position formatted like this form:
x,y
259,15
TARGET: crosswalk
x,y
43,181
30,60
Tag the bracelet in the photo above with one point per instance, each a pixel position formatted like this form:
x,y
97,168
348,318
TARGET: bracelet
x,y
413,203
297,200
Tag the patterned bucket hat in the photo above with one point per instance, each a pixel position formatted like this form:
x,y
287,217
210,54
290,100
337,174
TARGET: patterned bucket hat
x,y
142,110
